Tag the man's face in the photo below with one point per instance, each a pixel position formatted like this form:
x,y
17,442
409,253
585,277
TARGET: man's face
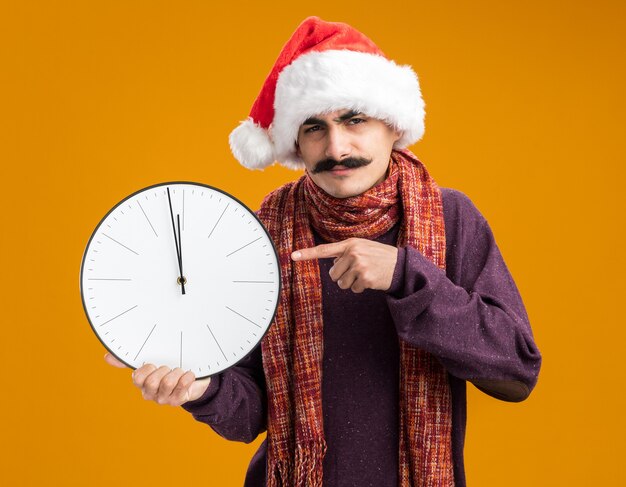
x,y
345,152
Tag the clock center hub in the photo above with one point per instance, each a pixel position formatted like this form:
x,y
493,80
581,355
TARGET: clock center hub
x,y
184,280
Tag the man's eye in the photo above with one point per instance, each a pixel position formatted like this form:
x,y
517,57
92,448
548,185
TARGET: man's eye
x,y
355,121
314,128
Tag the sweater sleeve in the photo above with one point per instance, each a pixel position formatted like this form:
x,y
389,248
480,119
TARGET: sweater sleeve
x,y
234,403
477,328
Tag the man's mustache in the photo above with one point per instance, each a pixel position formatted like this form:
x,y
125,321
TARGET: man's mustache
x,y
349,162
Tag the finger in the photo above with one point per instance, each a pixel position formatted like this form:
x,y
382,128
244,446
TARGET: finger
x,y
347,280
181,393
111,360
339,268
167,384
322,251
357,287
142,373
153,381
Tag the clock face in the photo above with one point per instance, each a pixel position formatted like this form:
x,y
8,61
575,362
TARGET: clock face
x,y
132,289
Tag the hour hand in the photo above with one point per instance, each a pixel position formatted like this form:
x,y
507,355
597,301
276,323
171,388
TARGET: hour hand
x,y
180,279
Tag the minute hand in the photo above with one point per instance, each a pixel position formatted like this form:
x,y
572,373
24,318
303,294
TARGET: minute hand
x,y
180,263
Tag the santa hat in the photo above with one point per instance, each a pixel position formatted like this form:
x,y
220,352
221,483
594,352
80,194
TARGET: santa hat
x,y
326,66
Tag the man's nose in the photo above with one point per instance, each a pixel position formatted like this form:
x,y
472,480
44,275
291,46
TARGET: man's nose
x,y
337,143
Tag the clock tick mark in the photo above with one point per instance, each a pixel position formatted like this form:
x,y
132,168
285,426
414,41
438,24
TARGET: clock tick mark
x,y
145,341
119,243
257,282
218,344
249,243
105,279
149,222
218,220
239,314
123,312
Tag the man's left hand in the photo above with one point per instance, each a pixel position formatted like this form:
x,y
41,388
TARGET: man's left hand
x,y
359,264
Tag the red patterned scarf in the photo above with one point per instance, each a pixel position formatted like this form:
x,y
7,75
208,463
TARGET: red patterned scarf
x,y
293,347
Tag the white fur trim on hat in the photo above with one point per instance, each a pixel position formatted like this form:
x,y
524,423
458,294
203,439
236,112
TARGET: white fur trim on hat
x,y
325,81
251,145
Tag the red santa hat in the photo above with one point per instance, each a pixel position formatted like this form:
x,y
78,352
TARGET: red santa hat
x,y
326,66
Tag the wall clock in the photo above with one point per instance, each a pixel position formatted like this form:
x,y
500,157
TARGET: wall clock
x,y
180,274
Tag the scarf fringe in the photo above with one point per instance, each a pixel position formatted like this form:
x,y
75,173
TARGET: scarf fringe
x,y
306,468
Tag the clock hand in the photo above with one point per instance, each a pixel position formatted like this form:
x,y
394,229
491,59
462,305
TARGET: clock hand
x,y
181,278
180,254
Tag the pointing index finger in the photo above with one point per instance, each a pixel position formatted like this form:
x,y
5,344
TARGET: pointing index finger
x,y
322,251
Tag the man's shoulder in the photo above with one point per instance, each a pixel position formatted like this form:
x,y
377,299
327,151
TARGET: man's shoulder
x,y
458,207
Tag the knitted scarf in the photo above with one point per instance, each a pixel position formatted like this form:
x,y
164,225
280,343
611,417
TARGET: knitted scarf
x,y
293,346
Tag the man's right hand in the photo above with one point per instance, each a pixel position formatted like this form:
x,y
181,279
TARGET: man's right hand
x,y
164,385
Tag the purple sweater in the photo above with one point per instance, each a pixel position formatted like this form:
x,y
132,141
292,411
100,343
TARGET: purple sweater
x,y
471,318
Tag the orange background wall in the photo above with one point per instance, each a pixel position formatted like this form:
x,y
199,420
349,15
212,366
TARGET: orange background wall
x,y
525,114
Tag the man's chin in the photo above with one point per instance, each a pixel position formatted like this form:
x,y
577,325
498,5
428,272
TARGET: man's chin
x,y
339,190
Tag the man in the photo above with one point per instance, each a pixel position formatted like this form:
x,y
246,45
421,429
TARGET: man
x,y
394,291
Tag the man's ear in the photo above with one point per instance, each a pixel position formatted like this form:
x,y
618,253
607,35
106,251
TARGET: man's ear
x,y
298,150
397,134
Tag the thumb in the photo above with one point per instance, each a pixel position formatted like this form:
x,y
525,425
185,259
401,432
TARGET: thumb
x,y
111,360
198,389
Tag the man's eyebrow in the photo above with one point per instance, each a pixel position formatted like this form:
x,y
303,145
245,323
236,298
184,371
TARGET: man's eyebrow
x,y
347,116
342,118
313,121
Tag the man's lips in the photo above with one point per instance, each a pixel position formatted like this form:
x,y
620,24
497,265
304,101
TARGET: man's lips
x,y
341,168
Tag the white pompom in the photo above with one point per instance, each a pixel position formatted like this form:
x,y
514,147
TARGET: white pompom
x,y
251,145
